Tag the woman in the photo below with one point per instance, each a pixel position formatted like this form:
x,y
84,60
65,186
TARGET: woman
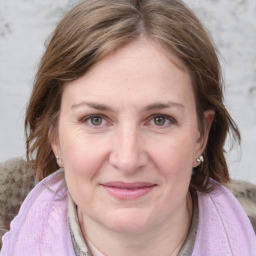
x,y
128,103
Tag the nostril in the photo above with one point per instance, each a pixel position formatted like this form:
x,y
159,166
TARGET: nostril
x,y
127,152
128,162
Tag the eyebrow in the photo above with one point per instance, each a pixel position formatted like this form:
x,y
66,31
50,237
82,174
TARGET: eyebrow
x,y
159,106
97,106
102,107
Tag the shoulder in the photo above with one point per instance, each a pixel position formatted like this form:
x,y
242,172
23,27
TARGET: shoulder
x,y
245,193
16,180
223,228
42,219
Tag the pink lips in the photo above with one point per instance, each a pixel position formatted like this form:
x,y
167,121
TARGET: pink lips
x,y
128,191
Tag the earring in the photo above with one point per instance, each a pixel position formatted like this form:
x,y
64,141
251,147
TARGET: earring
x,y
200,159
58,159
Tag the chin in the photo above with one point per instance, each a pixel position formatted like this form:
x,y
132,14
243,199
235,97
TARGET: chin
x,y
128,221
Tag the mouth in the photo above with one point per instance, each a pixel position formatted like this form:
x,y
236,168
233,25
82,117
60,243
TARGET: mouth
x,y
128,191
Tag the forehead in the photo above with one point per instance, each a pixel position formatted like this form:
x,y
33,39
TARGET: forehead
x,y
140,69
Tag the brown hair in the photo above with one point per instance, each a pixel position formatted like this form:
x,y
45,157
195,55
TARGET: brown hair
x,y
94,28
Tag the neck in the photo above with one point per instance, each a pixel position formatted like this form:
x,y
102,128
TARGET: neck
x,y
167,238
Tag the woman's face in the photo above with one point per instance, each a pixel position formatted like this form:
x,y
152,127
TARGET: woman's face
x,y
128,138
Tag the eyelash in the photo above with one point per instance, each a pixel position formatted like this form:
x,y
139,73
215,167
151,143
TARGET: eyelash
x,y
150,119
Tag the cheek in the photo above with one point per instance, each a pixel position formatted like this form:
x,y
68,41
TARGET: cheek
x,y
82,166
78,150
175,156
82,159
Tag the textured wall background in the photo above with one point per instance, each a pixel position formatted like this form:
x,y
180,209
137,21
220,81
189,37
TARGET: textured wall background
x,y
26,24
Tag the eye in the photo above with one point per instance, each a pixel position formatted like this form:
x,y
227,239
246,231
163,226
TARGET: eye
x,y
161,120
94,120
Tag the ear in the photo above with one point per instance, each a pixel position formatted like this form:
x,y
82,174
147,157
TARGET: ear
x,y
203,138
54,141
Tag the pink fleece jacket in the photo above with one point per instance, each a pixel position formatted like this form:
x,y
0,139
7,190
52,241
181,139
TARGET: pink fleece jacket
x,y
41,227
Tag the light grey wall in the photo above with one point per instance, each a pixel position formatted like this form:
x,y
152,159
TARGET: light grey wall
x,y
26,24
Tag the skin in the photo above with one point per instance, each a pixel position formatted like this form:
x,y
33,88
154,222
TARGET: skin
x,y
144,129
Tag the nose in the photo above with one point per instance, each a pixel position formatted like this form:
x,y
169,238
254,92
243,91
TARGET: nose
x,y
128,153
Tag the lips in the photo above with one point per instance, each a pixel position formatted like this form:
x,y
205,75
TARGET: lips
x,y
128,191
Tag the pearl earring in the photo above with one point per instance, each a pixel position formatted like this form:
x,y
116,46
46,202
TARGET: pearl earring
x,y
58,159
200,159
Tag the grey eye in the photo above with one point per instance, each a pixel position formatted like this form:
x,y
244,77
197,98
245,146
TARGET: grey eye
x,y
96,120
159,120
